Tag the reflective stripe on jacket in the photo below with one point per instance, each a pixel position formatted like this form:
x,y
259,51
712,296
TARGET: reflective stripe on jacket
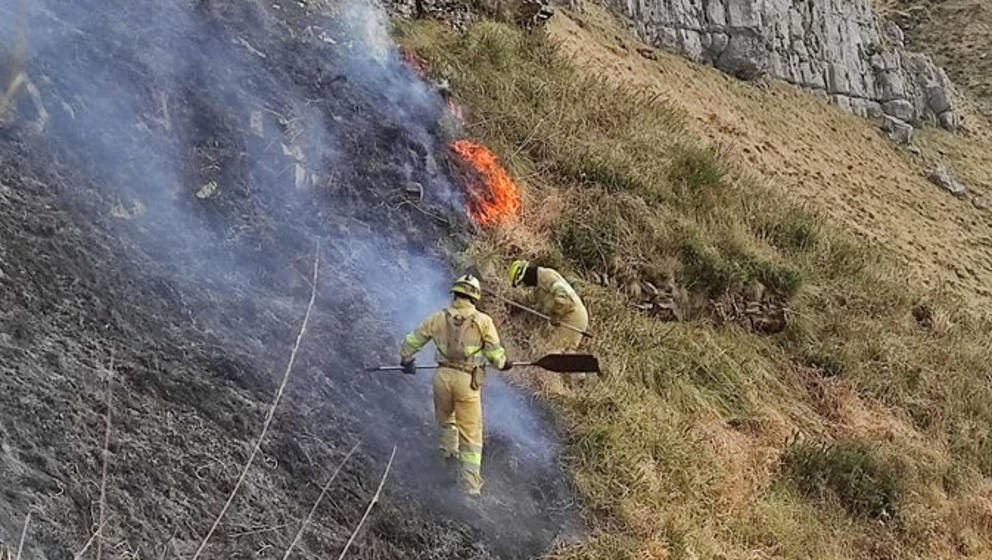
x,y
462,335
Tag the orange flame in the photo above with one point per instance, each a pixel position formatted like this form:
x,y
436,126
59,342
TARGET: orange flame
x,y
493,197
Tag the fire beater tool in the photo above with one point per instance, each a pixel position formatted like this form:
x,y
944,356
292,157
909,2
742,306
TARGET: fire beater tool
x,y
523,307
561,363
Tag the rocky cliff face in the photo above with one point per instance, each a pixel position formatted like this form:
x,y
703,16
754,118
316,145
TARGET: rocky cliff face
x,y
838,48
957,32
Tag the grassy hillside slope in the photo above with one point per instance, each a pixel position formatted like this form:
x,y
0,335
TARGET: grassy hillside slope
x,y
862,429
823,157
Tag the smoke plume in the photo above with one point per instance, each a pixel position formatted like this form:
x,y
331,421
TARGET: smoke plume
x,y
223,142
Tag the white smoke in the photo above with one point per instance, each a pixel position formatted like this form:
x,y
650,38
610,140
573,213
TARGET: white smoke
x,y
225,162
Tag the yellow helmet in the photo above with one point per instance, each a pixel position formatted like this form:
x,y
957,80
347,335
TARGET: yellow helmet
x,y
517,270
468,286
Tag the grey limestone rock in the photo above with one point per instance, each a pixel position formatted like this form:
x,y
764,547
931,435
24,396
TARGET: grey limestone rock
x,y
745,57
942,177
900,109
899,131
840,47
937,98
949,120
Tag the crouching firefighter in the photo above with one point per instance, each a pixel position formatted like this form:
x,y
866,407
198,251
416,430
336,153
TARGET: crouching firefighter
x,y
465,338
554,297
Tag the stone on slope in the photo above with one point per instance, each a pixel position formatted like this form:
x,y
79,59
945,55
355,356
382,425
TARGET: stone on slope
x,y
949,120
899,131
943,178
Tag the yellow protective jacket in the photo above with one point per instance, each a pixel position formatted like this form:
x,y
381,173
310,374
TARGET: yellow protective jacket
x,y
464,336
554,296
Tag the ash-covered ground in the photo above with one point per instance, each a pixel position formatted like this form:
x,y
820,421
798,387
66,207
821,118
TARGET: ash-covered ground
x,y
168,171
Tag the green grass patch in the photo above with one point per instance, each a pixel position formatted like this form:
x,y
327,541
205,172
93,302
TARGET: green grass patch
x,y
698,178
794,231
714,271
850,473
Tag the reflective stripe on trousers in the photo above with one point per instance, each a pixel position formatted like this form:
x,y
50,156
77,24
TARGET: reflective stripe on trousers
x,y
471,467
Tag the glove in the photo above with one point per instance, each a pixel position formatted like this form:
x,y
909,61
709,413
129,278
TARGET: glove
x,y
506,366
409,367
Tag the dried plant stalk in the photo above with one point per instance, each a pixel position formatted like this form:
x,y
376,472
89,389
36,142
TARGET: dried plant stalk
x,y
368,510
272,409
316,503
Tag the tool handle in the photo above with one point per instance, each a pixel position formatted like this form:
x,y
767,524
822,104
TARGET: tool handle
x,y
523,307
400,368
536,364
585,334
519,306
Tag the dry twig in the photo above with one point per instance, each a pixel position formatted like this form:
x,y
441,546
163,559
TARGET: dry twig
x,y
92,538
24,532
313,509
372,503
272,409
530,136
106,460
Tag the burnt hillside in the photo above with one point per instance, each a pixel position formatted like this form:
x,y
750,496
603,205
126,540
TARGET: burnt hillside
x,y
168,173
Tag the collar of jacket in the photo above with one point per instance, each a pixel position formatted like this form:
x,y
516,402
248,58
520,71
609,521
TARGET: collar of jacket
x,y
461,304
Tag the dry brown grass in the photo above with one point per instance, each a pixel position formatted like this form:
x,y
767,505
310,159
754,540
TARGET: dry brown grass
x,y
819,156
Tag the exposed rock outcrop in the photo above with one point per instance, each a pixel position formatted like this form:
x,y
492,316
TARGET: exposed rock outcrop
x,y
838,48
525,13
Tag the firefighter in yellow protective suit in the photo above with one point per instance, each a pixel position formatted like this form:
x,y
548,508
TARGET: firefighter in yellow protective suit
x,y
465,338
554,297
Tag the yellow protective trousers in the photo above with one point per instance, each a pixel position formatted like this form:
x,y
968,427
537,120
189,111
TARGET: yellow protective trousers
x,y
458,408
565,340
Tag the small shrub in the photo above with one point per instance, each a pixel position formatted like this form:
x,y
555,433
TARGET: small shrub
x,y
829,364
976,448
845,259
698,177
781,278
720,384
849,472
588,246
595,166
697,169
600,229
717,273
797,231
705,270
498,43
